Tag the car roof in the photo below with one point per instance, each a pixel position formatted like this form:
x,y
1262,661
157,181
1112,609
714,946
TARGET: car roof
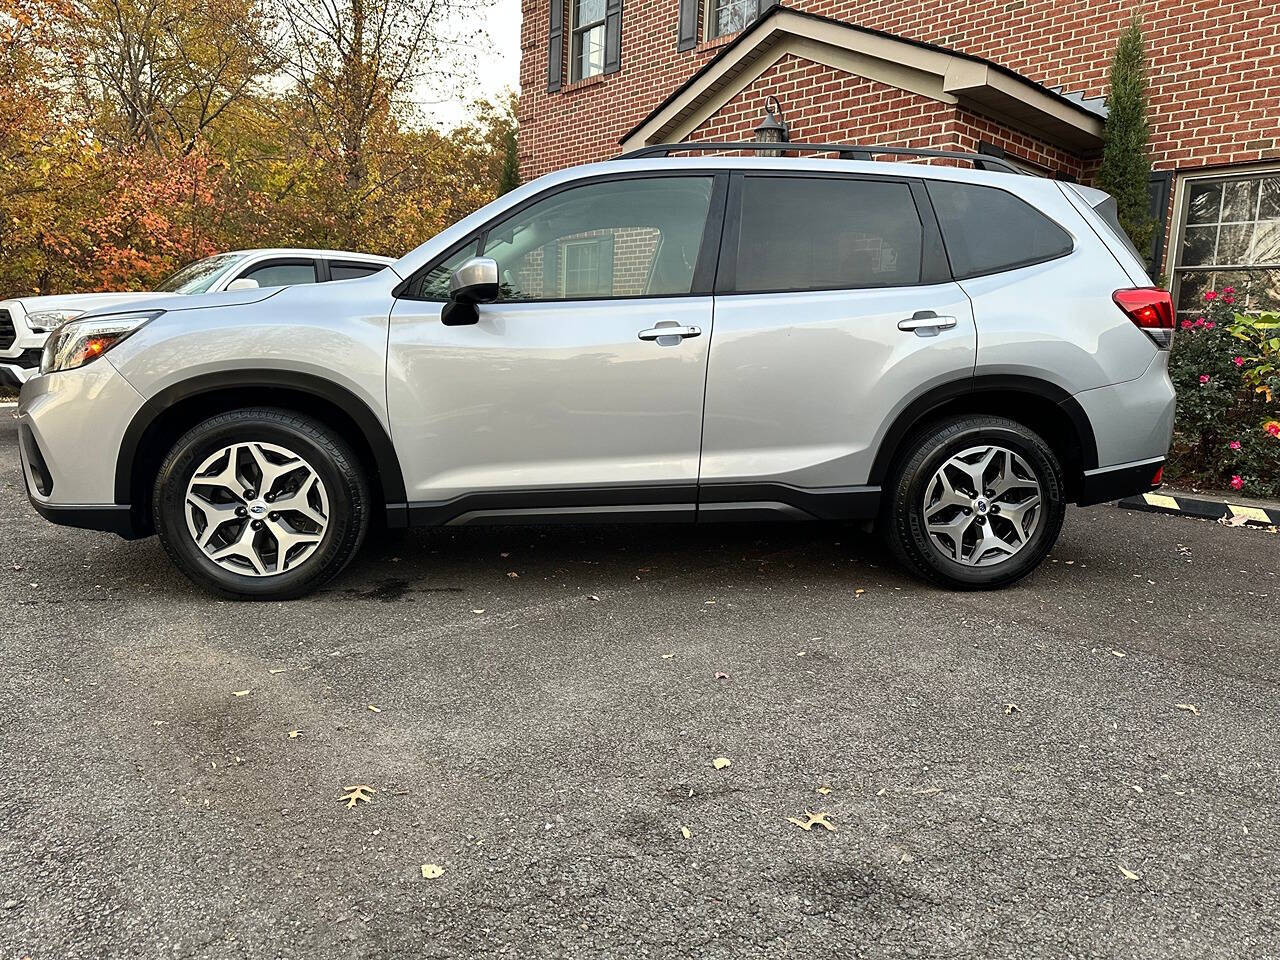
x,y
313,252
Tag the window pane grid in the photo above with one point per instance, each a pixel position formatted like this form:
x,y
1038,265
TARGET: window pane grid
x,y
588,41
730,16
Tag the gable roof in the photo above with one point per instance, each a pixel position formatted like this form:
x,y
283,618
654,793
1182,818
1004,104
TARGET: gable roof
x,y
945,75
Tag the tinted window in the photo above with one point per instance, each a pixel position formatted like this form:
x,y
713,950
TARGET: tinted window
x,y
620,238
281,274
434,283
987,230
349,271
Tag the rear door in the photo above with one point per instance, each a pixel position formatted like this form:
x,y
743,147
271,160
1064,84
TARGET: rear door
x,y
834,309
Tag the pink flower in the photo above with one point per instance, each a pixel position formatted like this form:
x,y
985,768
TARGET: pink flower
x,y
1271,427
1228,289
1210,325
1238,361
1234,444
1187,324
1204,378
1228,299
1210,295
1199,321
1237,483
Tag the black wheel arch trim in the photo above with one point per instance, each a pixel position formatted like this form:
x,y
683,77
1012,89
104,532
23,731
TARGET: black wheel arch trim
x,y
372,430
935,398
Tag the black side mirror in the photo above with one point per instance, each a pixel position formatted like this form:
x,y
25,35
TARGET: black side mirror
x,y
476,281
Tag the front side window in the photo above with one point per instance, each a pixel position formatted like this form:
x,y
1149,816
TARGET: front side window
x,y
809,233
610,240
198,277
989,230
1230,238
281,274
587,56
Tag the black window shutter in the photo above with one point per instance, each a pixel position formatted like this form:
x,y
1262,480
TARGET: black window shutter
x,y
688,24
555,46
613,36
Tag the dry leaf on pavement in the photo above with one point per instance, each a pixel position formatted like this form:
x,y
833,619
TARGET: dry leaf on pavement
x,y
1010,709
430,871
359,792
1190,708
824,790
721,762
241,693
374,709
684,832
815,819
1129,874
294,734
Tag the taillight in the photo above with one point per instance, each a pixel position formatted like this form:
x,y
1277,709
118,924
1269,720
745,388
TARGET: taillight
x,y
1151,309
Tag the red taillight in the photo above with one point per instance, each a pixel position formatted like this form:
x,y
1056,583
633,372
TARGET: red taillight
x,y
1148,307
1159,477
1151,309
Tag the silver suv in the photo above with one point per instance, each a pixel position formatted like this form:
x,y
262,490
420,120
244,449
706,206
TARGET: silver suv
x,y
952,353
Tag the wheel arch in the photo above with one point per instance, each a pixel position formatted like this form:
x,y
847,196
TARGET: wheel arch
x,y
176,408
1038,404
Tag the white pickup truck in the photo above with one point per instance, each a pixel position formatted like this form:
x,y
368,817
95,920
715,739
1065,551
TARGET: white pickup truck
x,y
25,322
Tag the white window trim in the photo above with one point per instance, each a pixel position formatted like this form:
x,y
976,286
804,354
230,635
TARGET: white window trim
x,y
708,20
575,29
1181,182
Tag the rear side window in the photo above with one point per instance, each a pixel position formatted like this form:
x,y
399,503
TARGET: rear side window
x,y
282,274
349,271
988,230
810,233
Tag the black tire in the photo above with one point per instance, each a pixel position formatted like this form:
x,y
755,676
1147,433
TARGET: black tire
x,y
903,521
324,450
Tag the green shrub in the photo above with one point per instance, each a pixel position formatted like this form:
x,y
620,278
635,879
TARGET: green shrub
x,y
1226,369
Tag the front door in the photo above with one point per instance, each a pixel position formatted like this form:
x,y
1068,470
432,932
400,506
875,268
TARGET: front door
x,y
567,392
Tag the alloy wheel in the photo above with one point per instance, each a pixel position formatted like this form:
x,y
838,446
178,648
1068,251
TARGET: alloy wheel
x,y
982,506
257,509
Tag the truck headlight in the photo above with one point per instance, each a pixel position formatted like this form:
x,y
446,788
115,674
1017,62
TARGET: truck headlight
x,y
82,341
42,321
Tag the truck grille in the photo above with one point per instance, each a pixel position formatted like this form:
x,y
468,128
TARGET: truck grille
x,y
7,333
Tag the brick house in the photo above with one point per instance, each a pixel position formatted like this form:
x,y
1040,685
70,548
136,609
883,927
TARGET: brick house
x,y
1021,79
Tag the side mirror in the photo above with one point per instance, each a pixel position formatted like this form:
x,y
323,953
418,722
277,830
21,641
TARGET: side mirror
x,y
244,283
476,281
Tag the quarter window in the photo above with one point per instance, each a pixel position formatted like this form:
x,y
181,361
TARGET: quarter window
x,y
1230,238
587,46
350,271
615,239
988,230
802,233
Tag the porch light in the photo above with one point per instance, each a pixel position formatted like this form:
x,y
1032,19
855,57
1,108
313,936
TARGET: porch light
x,y
772,129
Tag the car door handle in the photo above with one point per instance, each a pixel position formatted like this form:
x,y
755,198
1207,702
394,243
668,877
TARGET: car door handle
x,y
926,323
669,332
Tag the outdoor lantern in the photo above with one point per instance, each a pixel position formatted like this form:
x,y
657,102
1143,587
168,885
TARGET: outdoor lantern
x,y
772,129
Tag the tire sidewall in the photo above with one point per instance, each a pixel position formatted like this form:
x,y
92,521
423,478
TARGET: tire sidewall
x,y
201,442
1036,455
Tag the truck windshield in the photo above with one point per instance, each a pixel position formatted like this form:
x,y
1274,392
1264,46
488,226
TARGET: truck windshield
x,y
197,277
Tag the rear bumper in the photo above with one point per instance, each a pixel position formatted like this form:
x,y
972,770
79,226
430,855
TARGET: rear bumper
x,y
1115,483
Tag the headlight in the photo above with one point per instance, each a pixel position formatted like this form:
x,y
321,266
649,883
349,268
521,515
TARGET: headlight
x,y
82,341
44,320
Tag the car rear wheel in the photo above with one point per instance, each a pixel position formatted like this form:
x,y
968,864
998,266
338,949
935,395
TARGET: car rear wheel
x,y
261,503
975,503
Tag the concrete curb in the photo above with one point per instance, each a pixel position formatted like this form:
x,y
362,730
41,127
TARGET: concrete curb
x,y
1189,505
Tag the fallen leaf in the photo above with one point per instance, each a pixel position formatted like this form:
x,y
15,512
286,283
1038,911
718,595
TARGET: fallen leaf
x,y
278,670
430,871
799,653
667,656
1010,709
1129,874
880,792
722,676
927,791
1190,708
513,575
1117,653
481,610
815,819
684,832
294,734
241,693
1136,788
721,762
592,596
824,790
856,592
359,792
374,709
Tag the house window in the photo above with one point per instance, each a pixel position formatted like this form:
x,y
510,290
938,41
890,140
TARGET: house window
x,y
1230,237
588,40
729,16
584,267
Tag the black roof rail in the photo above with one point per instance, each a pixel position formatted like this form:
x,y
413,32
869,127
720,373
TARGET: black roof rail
x,y
847,151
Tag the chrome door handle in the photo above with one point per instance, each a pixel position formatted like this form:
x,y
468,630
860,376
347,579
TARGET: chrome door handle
x,y
926,323
668,333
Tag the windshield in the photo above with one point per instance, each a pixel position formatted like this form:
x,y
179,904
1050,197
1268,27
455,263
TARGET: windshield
x,y
197,277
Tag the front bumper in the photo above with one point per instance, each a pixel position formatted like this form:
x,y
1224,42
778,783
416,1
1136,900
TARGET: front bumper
x,y
71,425
13,374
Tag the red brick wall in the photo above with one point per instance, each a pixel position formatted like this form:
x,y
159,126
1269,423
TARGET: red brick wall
x,y
1215,73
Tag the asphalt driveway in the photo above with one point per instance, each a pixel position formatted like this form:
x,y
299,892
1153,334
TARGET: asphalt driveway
x,y
537,712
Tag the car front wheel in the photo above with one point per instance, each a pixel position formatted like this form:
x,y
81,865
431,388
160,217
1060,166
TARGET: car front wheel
x,y
975,503
261,503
